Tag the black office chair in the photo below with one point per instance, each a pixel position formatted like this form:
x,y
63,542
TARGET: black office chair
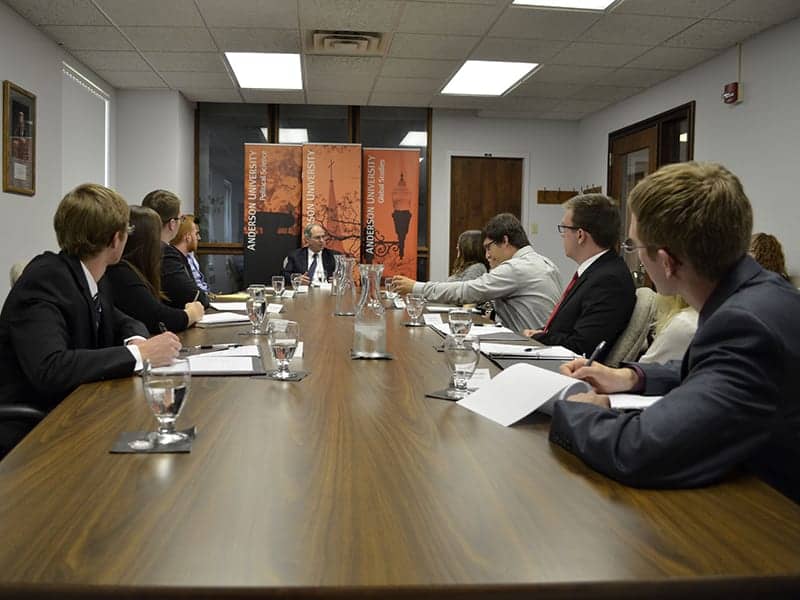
x,y
18,413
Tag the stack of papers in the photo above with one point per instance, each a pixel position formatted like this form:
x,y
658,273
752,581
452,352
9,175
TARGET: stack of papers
x,y
479,331
520,351
222,318
225,306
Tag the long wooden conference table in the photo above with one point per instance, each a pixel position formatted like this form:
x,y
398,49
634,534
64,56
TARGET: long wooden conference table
x,y
351,483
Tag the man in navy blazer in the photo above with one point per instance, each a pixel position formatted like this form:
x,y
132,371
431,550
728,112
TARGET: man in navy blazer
x,y
58,327
302,259
597,303
732,402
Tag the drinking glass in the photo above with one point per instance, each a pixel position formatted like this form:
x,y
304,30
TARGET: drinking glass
x,y
460,321
166,390
256,311
388,287
283,337
295,279
462,353
277,285
257,290
415,304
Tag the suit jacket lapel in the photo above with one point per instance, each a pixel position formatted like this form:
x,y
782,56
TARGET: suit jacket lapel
x,y
80,278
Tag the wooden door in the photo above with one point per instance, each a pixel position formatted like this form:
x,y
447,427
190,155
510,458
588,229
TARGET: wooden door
x,y
480,188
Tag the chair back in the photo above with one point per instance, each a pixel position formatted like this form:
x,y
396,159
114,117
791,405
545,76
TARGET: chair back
x,y
633,340
16,270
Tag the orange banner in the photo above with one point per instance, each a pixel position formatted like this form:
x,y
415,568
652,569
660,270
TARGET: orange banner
x,y
391,209
332,193
272,197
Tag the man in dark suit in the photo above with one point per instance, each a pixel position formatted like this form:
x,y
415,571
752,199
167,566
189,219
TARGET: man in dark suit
x,y
314,261
732,401
58,327
177,281
597,303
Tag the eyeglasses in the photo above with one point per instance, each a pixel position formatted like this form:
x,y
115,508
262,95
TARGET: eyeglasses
x,y
489,245
130,229
561,228
630,246
180,218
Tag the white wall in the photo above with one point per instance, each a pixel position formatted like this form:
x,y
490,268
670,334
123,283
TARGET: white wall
x,y
757,139
548,148
32,61
155,145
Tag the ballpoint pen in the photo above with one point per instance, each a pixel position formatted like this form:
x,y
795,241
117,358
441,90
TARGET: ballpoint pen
x,y
596,353
210,347
161,327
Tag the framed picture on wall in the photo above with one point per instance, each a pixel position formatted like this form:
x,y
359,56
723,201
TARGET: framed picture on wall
x,y
19,140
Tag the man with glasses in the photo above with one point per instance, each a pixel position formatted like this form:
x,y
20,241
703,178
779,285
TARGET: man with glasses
x,y
598,301
186,241
58,327
524,285
732,401
176,276
314,261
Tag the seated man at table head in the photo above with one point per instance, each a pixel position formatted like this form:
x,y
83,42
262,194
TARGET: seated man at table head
x,y
732,401
191,254
313,261
58,329
523,284
176,277
597,303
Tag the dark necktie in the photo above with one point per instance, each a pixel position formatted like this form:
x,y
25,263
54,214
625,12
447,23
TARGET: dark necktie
x,y
98,311
313,266
570,285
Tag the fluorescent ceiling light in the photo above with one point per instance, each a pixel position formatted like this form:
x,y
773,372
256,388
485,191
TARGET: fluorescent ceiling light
x,y
292,136
487,77
579,4
415,138
264,71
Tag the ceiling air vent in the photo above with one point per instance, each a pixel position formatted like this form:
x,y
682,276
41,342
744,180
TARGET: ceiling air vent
x,y
346,43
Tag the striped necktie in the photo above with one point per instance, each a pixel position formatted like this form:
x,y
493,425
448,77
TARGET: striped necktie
x,y
570,285
313,266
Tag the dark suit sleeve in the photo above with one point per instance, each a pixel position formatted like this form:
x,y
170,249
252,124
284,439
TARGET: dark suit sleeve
x,y
293,264
132,297
713,421
177,282
605,310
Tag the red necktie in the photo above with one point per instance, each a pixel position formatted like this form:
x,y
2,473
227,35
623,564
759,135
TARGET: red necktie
x,y
570,285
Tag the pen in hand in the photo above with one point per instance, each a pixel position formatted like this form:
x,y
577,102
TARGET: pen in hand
x,y
596,353
161,327
196,295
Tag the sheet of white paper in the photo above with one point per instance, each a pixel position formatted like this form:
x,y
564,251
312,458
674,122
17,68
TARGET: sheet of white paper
x,y
215,364
274,308
478,331
235,306
631,401
440,308
479,378
518,391
325,286
302,289
554,352
288,294
250,350
223,317
433,319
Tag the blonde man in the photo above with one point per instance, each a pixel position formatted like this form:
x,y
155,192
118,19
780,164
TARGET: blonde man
x,y
732,402
58,329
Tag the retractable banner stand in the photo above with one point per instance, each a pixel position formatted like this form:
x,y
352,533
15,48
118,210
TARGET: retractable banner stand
x,y
391,209
272,199
332,194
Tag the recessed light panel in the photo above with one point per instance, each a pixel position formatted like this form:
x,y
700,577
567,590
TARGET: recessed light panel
x,y
487,77
266,71
575,4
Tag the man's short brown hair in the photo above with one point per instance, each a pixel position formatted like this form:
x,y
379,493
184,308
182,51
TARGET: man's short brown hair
x,y
598,215
698,212
87,219
165,203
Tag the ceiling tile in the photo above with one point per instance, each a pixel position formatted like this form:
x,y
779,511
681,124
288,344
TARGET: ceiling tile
x,y
341,66
268,14
638,77
486,2
411,45
467,102
206,62
671,58
399,99
59,12
714,34
132,79
358,98
409,67
768,12
569,74
675,8
350,15
564,116
201,95
581,105
214,81
88,38
636,29
171,39
516,103
600,55
112,61
500,114
276,97
407,85
512,49
606,92
256,40
545,24
427,17
540,89
152,12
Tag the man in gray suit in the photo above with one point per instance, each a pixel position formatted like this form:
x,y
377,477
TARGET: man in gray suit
x,y
732,401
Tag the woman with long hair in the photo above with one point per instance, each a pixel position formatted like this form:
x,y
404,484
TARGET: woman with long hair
x,y
675,325
470,256
135,281
768,252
